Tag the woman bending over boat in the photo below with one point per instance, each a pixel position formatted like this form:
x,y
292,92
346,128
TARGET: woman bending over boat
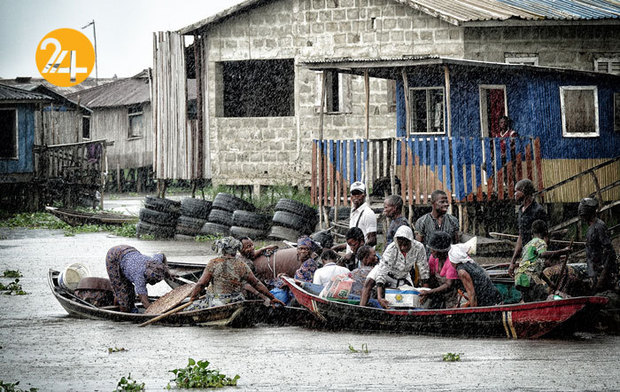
x,y
130,271
227,275
480,289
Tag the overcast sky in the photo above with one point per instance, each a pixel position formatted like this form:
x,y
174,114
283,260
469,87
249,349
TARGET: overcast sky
x,y
124,29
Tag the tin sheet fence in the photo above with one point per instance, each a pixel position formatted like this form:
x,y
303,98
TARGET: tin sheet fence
x,y
467,169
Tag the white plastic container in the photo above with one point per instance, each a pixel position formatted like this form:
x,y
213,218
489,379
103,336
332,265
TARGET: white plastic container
x,y
404,297
69,278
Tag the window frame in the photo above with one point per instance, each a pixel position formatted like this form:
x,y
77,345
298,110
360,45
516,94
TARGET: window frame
x,y
16,133
521,58
345,82
428,126
89,128
134,111
567,134
609,61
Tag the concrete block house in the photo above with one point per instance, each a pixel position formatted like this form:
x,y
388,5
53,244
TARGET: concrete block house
x,y
260,104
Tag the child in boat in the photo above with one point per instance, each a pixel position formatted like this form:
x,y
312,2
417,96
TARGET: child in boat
x,y
529,278
600,254
443,293
473,278
330,268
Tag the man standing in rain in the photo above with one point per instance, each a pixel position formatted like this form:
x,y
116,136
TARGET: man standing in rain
x,y
393,209
437,220
529,211
362,215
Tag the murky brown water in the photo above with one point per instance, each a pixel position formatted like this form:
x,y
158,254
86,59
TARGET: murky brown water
x,y
42,347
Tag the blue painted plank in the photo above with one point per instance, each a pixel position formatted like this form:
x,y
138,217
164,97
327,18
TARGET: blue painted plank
x,y
351,161
467,144
358,171
366,158
498,154
478,161
446,152
344,161
440,160
487,152
458,169
432,155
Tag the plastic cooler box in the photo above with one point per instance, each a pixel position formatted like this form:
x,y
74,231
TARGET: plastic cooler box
x,y
404,297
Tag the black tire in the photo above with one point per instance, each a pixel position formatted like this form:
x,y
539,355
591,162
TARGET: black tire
x,y
251,220
239,232
283,233
343,213
154,230
193,223
186,230
224,201
288,219
325,238
220,216
295,207
157,217
163,205
195,208
210,228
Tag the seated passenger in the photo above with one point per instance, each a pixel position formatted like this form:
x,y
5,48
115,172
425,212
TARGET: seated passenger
x,y
329,269
473,278
355,239
443,293
394,268
308,265
529,278
368,257
227,274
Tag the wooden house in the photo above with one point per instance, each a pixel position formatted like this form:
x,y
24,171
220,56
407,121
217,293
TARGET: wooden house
x,y
34,171
568,121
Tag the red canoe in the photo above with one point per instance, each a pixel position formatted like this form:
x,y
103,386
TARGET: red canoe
x,y
522,321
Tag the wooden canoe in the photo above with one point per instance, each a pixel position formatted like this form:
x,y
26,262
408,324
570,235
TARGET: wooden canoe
x,y
522,321
238,314
79,218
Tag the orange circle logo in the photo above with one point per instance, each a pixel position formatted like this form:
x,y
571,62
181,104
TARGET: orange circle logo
x,y
65,57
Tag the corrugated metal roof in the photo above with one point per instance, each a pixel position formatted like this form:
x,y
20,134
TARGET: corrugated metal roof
x,y
10,93
460,12
123,92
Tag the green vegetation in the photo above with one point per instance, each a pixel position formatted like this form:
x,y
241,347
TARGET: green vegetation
x,y
364,349
129,384
13,288
12,274
116,349
452,357
207,238
196,375
12,387
43,220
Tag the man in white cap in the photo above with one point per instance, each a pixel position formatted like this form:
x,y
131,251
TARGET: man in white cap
x,y
362,215
394,269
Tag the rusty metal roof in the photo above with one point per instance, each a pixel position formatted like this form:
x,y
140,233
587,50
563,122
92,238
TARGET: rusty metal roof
x,y
14,94
464,12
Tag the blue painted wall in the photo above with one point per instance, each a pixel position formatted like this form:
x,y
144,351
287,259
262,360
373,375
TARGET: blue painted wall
x,y
25,136
533,99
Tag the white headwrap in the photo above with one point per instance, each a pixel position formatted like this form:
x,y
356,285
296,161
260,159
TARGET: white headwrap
x,y
458,254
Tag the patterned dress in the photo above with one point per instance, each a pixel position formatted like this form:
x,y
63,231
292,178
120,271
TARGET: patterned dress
x,y
306,270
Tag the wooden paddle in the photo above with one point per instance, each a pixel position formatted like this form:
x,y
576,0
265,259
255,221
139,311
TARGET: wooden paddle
x,y
168,313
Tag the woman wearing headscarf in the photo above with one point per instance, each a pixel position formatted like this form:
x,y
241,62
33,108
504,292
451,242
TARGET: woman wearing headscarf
x,y
480,289
227,274
130,271
305,248
442,274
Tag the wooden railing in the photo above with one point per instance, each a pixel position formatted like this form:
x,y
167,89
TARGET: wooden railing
x,y
71,169
466,169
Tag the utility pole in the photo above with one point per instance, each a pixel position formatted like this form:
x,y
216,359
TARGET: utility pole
x,y
95,39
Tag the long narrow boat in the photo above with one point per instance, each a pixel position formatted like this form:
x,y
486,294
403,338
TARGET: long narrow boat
x,y
79,218
238,314
522,321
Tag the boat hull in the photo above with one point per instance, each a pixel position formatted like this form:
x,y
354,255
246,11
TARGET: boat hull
x,y
237,314
531,320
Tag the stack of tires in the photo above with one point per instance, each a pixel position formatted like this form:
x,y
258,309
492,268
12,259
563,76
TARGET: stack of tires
x,y
158,217
292,219
194,214
220,219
